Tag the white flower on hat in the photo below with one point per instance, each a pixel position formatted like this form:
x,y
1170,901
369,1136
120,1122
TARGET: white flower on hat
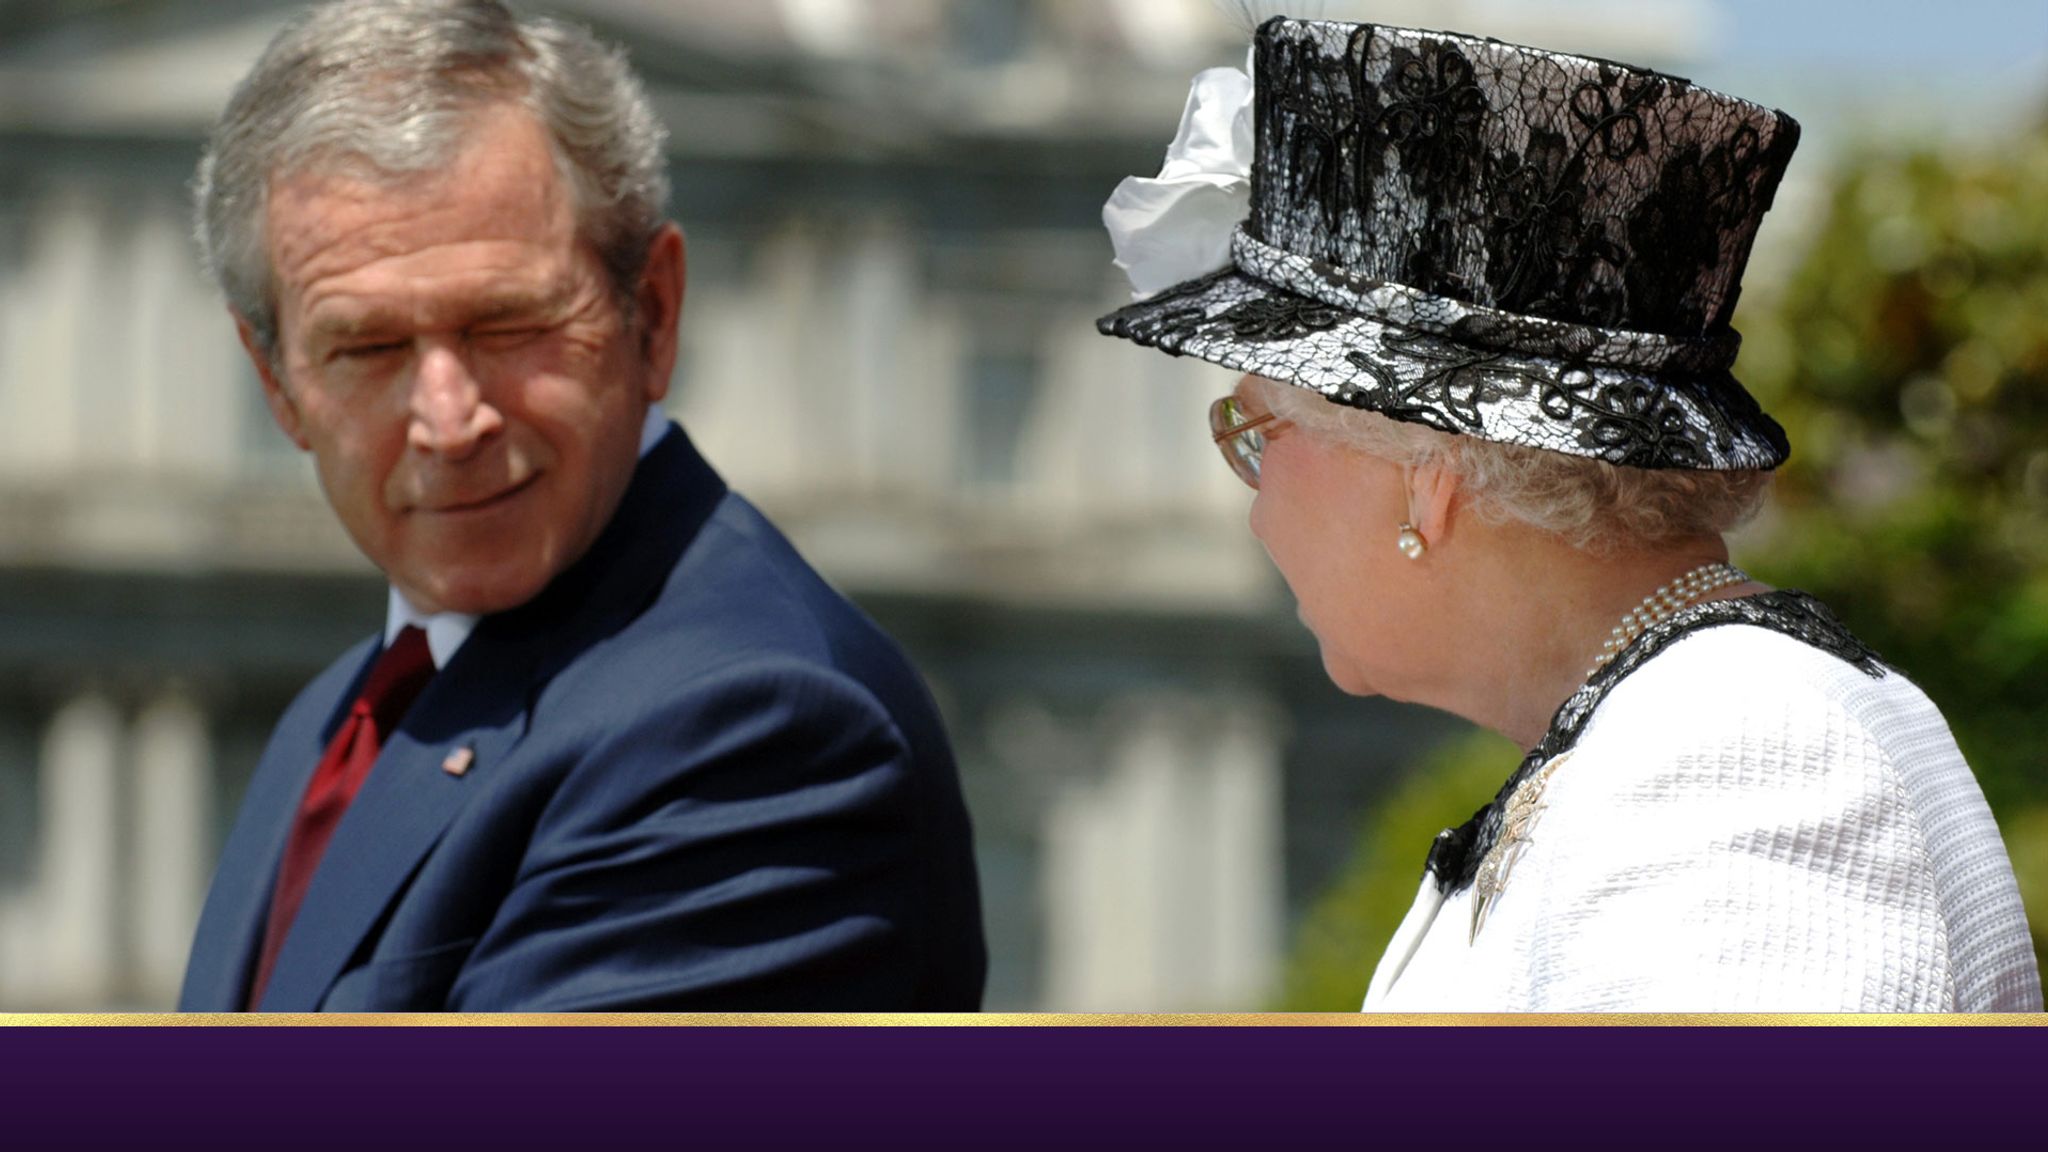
x,y
1177,225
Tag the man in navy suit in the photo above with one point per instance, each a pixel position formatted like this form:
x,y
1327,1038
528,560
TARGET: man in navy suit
x,y
617,746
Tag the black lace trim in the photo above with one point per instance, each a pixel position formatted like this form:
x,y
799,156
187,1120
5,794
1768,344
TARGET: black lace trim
x,y
1631,420
1675,420
1260,319
1454,857
1557,186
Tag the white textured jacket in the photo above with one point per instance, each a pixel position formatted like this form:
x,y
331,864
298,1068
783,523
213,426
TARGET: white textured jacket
x,y
1745,822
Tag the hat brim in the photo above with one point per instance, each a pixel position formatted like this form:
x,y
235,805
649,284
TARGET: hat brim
x,y
1625,416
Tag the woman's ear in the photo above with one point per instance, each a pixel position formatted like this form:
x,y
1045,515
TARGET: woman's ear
x,y
1434,500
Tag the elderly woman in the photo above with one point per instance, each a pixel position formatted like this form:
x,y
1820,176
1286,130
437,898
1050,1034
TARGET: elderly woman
x,y
1481,297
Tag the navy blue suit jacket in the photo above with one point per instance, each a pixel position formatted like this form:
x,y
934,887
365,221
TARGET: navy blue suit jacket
x,y
701,780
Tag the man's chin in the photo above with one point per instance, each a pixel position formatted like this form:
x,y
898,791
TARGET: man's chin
x,y
475,594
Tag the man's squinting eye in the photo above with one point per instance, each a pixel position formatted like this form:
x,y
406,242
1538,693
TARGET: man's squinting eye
x,y
505,335
367,351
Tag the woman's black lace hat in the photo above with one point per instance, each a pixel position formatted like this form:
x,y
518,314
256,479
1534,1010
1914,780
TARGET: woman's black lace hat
x,y
1493,240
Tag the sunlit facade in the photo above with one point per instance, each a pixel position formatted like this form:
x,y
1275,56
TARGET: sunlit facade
x,y
895,265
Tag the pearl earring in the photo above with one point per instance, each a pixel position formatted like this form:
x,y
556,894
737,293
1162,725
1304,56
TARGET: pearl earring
x,y
1410,542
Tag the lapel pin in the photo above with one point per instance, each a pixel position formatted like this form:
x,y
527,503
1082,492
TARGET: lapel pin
x,y
459,761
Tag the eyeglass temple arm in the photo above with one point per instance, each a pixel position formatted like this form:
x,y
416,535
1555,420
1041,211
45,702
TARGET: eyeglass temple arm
x,y
1247,426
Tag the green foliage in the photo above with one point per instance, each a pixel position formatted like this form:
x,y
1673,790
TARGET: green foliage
x,y
2026,837
1343,935
1907,358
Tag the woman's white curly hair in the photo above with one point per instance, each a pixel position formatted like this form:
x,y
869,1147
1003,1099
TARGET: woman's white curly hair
x,y
1593,505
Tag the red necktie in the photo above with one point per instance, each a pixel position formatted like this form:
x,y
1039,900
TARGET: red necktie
x,y
396,678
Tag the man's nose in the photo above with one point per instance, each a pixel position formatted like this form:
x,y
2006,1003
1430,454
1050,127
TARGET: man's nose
x,y
450,416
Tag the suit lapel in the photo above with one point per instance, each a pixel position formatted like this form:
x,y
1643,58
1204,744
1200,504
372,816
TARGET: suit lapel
x,y
481,701
231,925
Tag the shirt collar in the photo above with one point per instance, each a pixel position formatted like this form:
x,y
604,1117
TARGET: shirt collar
x,y
652,429
446,631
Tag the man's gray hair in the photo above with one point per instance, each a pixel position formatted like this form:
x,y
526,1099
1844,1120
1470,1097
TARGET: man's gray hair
x,y
390,85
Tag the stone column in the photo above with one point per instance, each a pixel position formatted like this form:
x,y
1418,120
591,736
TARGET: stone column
x,y
747,404
876,294
46,310
1243,862
78,865
1108,873
171,834
1163,874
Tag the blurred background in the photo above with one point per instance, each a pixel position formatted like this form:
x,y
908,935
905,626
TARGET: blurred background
x,y
895,263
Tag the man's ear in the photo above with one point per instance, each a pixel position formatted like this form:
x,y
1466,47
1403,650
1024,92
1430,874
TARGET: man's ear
x,y
282,409
659,302
1435,499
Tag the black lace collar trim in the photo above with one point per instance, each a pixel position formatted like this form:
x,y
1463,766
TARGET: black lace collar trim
x,y
1454,858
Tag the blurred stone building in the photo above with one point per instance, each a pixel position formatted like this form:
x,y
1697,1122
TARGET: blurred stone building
x,y
895,262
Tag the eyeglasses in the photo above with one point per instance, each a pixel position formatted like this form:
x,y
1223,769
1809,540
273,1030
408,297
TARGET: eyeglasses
x,y
1239,438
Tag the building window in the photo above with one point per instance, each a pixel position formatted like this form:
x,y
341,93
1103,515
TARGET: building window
x,y
20,801
990,32
1002,391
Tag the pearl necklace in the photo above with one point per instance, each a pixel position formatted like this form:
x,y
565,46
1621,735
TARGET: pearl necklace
x,y
1660,605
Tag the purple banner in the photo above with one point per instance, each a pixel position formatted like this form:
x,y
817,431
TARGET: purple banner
x,y
1052,1087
